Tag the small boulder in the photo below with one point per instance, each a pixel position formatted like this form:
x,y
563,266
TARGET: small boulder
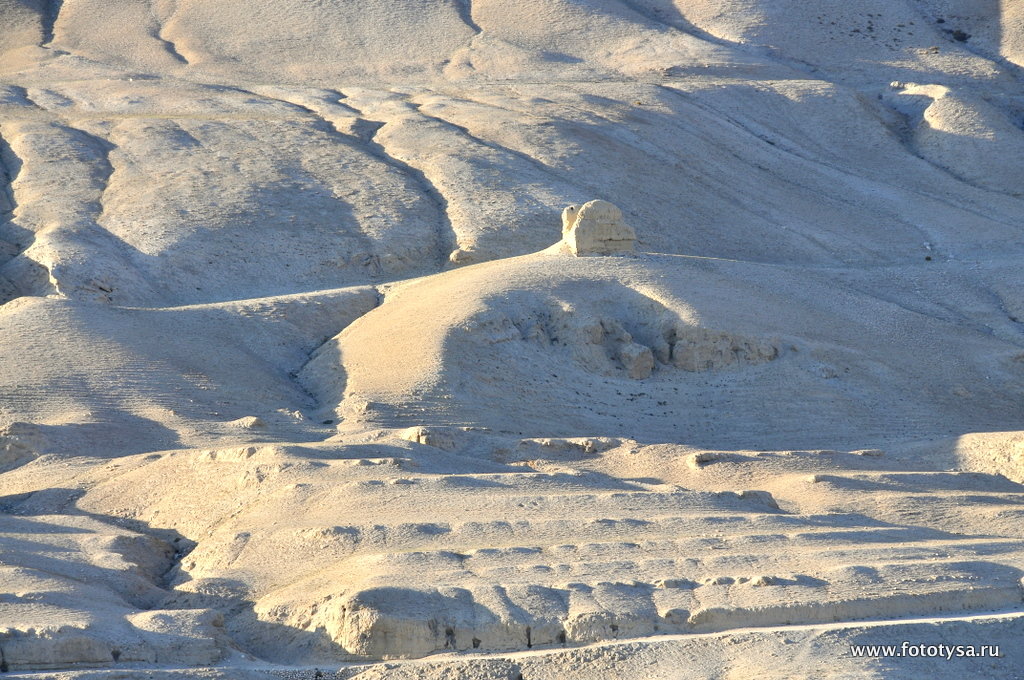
x,y
637,360
428,436
597,228
762,497
248,423
698,460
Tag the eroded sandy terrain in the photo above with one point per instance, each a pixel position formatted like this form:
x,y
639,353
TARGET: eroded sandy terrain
x,y
293,376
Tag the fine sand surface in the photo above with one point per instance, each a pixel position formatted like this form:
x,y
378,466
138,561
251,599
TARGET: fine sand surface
x,y
295,375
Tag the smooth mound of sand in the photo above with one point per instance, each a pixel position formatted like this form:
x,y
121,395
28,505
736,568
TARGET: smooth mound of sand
x,y
659,348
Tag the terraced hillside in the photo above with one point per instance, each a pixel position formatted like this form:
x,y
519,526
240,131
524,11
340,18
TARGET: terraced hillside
x,y
294,379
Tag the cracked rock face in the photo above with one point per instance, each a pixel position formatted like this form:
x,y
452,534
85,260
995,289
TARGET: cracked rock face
x,y
597,228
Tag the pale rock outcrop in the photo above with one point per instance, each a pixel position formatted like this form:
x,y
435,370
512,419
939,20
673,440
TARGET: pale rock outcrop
x,y
19,443
698,460
461,257
637,360
596,228
439,438
697,349
192,637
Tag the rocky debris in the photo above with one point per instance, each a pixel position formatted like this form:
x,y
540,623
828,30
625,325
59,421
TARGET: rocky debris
x,y
608,345
698,460
637,360
438,438
699,349
597,228
461,257
674,583
571,447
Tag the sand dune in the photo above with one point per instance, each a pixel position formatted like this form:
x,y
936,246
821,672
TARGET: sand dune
x,y
297,375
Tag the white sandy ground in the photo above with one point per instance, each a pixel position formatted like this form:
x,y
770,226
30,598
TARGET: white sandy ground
x,y
290,377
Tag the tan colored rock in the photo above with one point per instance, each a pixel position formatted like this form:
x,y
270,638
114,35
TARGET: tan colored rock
x,y
248,423
637,360
461,257
438,438
597,228
762,497
698,350
697,460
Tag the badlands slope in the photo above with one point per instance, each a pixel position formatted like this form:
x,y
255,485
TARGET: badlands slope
x,y
291,376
